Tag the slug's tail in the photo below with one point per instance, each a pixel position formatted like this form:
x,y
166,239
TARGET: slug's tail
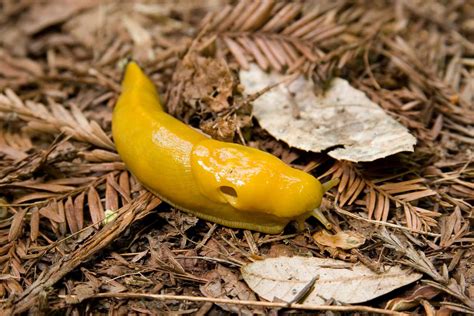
x,y
135,80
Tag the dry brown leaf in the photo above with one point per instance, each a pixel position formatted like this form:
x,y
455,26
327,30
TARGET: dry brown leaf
x,y
70,216
354,190
342,116
342,239
51,187
62,213
124,186
424,292
34,224
16,226
79,210
95,206
416,195
210,82
371,199
34,196
50,212
284,278
84,290
111,196
226,284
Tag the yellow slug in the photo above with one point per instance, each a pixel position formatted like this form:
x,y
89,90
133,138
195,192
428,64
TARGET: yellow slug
x,y
229,184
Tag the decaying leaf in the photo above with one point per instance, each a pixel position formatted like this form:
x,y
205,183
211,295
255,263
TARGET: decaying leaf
x,y
342,240
424,292
284,278
342,116
223,283
210,82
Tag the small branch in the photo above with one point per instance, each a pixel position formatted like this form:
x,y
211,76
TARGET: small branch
x,y
165,297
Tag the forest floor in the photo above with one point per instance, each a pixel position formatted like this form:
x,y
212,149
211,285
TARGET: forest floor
x,y
80,235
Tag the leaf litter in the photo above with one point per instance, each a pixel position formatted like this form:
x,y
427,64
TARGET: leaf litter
x,y
60,70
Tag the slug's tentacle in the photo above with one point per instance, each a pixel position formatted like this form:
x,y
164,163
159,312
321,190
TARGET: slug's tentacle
x,y
226,183
330,184
320,217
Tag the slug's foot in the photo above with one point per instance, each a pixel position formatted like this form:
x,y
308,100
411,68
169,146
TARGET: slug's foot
x,y
300,223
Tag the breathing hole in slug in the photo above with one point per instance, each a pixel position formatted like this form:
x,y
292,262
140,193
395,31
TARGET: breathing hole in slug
x,y
230,195
230,191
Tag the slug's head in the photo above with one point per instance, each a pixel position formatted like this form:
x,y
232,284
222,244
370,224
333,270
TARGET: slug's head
x,y
251,180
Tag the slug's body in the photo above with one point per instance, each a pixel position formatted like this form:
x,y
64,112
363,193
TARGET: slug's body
x,y
226,183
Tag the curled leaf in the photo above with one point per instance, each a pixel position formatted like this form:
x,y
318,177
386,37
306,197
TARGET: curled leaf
x,y
342,240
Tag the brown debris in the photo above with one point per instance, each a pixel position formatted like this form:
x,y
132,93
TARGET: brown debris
x,y
61,64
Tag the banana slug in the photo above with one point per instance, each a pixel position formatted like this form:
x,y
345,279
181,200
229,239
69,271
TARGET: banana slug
x,y
226,183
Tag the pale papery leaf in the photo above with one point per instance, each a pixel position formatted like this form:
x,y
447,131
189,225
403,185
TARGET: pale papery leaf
x,y
342,116
283,278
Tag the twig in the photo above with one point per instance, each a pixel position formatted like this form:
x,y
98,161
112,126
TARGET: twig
x,y
165,297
